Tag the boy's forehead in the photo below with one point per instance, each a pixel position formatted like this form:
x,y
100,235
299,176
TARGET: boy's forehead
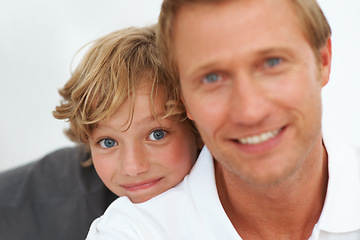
x,y
144,106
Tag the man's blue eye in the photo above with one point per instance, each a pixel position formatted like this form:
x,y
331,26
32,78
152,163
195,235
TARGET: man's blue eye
x,y
157,135
211,78
271,62
107,143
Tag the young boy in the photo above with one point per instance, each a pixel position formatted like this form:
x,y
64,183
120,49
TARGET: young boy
x,y
120,104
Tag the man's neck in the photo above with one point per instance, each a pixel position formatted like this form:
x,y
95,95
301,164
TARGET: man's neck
x,y
286,210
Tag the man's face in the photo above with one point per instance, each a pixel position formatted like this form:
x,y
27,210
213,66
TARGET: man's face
x,y
252,85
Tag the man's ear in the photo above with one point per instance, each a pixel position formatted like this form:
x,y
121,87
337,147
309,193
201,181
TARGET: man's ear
x,y
187,112
325,62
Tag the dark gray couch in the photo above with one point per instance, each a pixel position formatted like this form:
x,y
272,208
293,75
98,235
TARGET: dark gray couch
x,y
52,198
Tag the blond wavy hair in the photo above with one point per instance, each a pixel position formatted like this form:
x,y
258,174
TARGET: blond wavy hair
x,y
108,75
312,20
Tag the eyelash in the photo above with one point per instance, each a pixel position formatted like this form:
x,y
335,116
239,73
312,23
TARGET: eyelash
x,y
206,80
101,143
269,62
153,131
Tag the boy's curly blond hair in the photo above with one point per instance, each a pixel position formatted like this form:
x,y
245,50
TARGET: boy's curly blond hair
x,y
108,75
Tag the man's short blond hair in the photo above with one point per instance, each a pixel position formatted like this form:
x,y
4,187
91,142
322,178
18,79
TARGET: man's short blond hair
x,y
312,20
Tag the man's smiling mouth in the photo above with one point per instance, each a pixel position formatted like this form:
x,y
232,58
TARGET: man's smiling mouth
x,y
260,138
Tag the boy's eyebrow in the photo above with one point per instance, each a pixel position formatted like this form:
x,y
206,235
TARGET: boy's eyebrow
x,y
149,119
146,120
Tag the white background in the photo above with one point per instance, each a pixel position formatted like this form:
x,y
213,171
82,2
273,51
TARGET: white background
x,y
38,39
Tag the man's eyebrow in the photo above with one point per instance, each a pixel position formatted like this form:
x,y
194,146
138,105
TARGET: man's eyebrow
x,y
200,69
213,64
273,49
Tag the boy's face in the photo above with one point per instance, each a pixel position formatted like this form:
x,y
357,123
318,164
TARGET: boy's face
x,y
150,156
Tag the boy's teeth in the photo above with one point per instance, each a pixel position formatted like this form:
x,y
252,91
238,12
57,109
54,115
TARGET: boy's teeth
x,y
263,137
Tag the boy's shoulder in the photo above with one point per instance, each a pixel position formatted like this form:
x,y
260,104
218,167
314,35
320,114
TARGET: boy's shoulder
x,y
190,210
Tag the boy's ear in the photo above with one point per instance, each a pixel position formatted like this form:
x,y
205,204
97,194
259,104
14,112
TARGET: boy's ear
x,y
325,62
187,112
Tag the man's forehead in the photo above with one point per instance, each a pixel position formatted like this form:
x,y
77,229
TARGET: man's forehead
x,y
196,12
218,27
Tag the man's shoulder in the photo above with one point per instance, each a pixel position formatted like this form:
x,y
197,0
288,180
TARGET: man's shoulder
x,y
341,208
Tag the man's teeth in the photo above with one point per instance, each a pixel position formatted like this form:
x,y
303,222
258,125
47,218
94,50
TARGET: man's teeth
x,y
263,137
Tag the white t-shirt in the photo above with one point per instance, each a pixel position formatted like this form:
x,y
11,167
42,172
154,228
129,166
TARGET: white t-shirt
x,y
192,209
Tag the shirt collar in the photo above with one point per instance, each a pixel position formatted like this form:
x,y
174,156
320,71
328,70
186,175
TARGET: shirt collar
x,y
341,212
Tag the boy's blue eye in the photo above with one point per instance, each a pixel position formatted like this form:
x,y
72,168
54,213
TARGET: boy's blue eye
x,y
211,78
271,62
107,143
157,135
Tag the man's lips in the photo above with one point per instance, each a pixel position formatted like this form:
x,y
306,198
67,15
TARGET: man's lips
x,y
141,185
260,143
261,137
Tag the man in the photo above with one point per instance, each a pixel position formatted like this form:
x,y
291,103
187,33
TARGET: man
x,y
251,74
260,67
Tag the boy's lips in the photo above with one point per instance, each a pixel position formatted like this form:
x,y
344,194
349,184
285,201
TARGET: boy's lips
x,y
141,185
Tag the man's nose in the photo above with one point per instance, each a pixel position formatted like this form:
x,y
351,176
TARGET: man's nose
x,y
248,102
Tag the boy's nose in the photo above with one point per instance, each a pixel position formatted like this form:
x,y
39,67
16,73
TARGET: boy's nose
x,y
133,162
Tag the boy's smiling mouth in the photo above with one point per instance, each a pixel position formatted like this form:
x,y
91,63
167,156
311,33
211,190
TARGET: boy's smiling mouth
x,y
141,185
